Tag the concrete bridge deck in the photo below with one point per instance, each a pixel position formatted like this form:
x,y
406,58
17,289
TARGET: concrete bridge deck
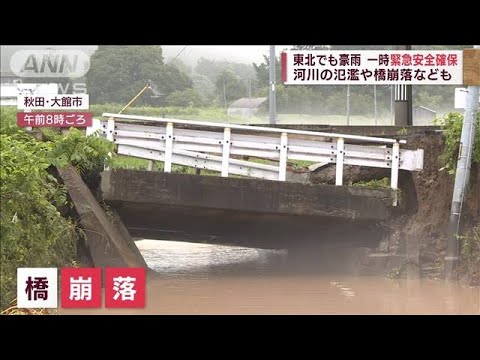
x,y
237,210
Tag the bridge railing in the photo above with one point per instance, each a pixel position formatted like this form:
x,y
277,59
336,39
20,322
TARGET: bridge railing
x,y
212,145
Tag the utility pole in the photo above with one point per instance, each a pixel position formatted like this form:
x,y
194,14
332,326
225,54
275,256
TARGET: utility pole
x,y
375,102
403,100
391,106
273,98
461,178
224,94
348,105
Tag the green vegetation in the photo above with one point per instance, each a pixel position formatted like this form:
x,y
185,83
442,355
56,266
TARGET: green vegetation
x,y
470,253
301,164
184,98
13,310
33,231
452,130
132,163
118,73
218,114
89,154
373,184
187,113
230,87
209,75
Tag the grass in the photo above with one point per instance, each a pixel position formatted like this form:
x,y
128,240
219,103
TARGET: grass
x,y
218,114
189,113
132,163
301,164
374,184
14,310
288,119
470,253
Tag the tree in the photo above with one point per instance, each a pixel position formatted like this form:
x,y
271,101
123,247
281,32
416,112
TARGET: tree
x,y
212,69
300,99
208,68
184,98
263,71
118,73
180,65
204,87
229,87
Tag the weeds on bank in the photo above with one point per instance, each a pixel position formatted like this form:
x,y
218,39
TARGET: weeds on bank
x,y
373,184
470,252
14,310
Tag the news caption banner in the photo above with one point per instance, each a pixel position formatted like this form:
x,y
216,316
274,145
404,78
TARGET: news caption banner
x,y
381,67
52,114
37,288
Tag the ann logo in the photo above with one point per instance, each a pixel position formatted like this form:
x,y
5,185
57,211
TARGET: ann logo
x,y
50,63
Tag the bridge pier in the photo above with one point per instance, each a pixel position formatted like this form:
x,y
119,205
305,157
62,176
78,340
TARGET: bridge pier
x,y
109,246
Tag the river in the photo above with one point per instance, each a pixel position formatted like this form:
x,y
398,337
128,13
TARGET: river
x,y
212,279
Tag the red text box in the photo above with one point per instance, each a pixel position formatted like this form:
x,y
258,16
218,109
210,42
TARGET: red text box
x,y
81,287
125,287
54,119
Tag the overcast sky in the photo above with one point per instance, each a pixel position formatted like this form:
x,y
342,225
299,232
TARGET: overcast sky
x,y
235,53
189,55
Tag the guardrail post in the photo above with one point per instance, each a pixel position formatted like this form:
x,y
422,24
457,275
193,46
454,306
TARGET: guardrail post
x,y
110,128
339,162
109,136
226,151
168,147
282,166
395,167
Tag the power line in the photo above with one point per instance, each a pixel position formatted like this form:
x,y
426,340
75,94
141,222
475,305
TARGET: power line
x,y
181,51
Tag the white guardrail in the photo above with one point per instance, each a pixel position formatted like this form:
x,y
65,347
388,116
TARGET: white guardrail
x,y
205,147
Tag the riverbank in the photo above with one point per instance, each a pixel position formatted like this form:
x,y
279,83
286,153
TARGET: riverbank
x,y
433,190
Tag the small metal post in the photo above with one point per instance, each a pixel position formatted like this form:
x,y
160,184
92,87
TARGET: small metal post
x,y
282,171
395,167
339,163
168,148
226,151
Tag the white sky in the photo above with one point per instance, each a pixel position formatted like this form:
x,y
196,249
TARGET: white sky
x,y
235,53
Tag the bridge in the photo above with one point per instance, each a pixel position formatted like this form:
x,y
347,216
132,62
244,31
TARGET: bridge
x,y
253,194
201,145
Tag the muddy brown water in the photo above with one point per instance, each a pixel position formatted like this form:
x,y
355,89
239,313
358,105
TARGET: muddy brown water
x,y
212,279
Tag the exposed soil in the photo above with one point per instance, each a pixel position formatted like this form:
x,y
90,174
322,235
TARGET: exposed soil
x,y
434,188
424,209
